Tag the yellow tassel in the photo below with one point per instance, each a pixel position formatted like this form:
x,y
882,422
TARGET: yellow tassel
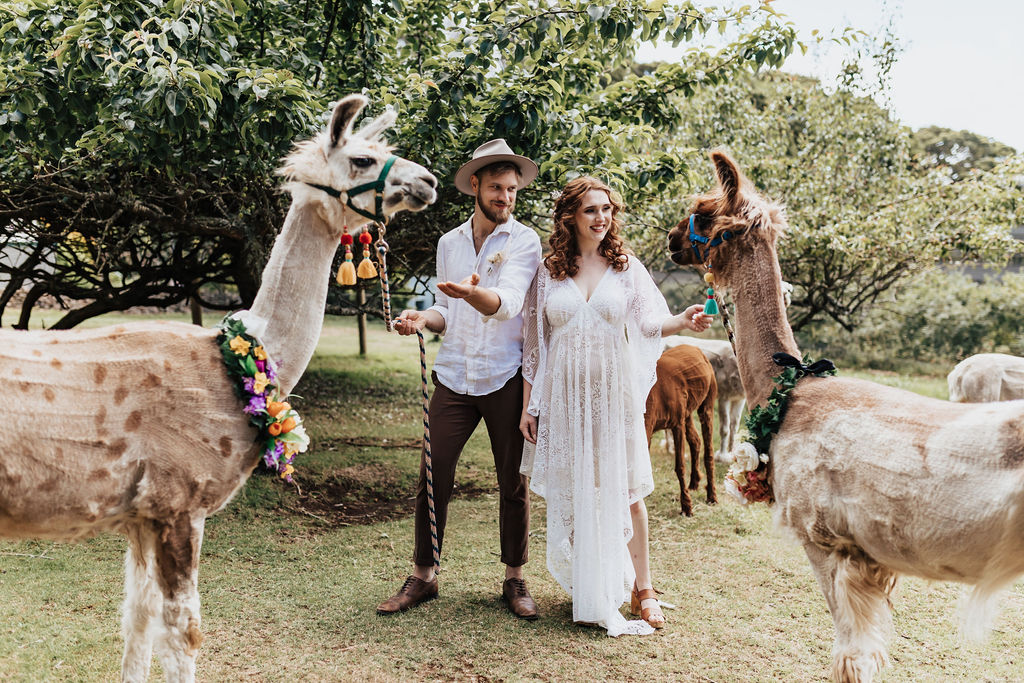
x,y
366,269
347,273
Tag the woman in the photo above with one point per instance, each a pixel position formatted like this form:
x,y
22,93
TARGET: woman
x,y
593,324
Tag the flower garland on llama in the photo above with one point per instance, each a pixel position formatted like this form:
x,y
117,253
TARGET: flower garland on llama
x,y
280,429
747,478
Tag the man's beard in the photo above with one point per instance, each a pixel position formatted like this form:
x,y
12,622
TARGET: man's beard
x,y
494,217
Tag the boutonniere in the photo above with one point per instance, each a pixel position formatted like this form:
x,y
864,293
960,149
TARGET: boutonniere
x,y
495,259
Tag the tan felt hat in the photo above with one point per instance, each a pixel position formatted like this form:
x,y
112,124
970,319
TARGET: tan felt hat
x,y
489,153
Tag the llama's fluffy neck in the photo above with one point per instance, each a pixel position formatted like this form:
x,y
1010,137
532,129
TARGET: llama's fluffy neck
x,y
762,328
293,292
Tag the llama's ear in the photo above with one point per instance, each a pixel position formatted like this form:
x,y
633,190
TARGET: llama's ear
x,y
378,125
729,178
345,113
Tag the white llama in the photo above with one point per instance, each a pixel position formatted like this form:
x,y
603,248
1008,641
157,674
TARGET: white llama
x,y
987,377
873,481
136,428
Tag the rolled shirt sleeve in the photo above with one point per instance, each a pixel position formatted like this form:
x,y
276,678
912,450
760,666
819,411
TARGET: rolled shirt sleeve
x,y
440,298
516,275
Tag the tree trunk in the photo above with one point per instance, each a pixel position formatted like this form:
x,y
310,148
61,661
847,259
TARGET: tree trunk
x,y
196,309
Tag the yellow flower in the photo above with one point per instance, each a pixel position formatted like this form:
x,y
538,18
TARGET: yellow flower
x,y
290,448
286,472
260,381
259,353
239,345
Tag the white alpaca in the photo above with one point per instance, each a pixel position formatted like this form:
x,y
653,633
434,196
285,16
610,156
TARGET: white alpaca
x,y
136,428
731,398
873,481
986,377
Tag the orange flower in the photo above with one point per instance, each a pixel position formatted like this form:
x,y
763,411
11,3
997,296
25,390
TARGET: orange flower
x,y
288,425
274,428
275,408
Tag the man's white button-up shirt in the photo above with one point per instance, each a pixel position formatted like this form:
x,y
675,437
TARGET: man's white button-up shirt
x,y
479,353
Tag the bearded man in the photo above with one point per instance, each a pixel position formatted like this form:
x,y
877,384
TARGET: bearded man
x,y
484,268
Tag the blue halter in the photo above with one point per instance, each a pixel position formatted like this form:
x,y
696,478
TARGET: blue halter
x,y
696,239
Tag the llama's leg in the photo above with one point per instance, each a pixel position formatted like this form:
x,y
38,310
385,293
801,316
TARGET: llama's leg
x,y
704,412
177,560
694,445
724,448
685,504
735,412
857,590
142,602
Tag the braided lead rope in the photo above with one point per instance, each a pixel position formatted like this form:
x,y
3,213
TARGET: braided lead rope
x,y
428,464
427,460
382,255
725,320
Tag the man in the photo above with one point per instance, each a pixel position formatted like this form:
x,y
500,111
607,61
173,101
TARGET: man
x,y
484,268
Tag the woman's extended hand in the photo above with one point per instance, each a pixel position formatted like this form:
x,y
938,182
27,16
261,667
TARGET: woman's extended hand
x,y
528,426
695,319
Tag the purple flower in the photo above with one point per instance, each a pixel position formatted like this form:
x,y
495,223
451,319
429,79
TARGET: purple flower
x,y
270,459
261,365
271,372
247,382
257,404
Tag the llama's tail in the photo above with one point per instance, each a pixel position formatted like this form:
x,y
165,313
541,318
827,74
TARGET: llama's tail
x,y
978,611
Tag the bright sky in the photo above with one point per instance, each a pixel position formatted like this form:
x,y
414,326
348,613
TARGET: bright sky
x,y
962,65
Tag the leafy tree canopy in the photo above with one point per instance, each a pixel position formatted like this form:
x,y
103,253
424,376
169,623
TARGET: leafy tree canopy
x,y
960,151
138,138
864,212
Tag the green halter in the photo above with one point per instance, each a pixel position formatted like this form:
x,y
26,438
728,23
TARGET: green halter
x,y
376,186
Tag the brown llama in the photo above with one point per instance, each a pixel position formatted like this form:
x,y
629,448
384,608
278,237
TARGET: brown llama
x,y
856,466
136,428
686,382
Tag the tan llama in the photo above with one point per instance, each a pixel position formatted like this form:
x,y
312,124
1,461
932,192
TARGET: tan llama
x,y
856,466
136,429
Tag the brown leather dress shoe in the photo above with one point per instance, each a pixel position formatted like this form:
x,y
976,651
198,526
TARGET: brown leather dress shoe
x,y
413,592
519,600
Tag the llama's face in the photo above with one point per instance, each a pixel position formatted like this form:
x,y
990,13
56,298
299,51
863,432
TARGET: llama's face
x,y
732,210
359,157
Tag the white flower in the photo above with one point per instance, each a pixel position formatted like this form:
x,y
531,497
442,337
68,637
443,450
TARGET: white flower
x,y
496,258
746,457
300,432
733,490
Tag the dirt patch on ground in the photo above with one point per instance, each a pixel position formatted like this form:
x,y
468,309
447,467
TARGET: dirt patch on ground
x,y
362,494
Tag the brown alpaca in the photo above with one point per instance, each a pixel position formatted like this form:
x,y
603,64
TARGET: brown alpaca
x,y
136,428
686,382
856,467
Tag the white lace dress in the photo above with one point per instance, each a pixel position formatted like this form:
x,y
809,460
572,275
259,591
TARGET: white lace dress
x,y
591,365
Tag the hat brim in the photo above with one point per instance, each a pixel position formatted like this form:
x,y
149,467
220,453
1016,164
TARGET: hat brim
x,y
528,170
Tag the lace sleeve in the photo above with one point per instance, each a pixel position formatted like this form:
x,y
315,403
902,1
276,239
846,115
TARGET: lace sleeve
x,y
648,312
535,339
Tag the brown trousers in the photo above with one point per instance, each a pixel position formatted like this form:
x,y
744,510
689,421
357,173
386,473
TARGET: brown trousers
x,y
453,418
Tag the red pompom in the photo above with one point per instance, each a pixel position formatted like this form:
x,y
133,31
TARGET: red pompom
x,y
365,238
346,239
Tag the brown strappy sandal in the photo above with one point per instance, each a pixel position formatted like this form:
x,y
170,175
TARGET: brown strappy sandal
x,y
648,614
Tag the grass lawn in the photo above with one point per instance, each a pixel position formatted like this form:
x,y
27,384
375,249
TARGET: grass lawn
x,y
290,577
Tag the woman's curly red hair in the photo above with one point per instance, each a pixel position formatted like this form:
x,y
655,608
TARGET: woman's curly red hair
x,y
564,251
